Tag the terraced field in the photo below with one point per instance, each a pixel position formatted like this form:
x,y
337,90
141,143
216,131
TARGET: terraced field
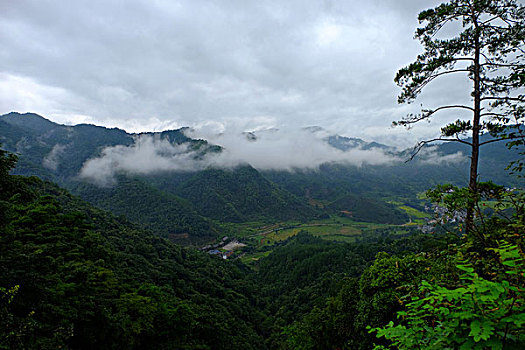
x,y
261,237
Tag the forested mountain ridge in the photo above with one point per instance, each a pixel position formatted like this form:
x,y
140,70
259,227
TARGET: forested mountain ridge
x,y
241,194
56,150
190,199
73,276
166,214
57,153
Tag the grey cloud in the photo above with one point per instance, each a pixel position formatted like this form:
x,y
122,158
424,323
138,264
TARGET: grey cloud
x,y
188,62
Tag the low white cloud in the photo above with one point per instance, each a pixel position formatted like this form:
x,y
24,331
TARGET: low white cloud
x,y
276,149
264,149
432,156
270,149
52,159
147,155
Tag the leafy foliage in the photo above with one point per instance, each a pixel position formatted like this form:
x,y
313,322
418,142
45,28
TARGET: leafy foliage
x,y
479,314
73,276
321,295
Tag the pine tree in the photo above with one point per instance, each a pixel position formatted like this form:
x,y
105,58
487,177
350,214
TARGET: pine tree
x,y
489,49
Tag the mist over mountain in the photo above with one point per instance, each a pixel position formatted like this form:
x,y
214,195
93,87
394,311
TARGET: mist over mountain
x,y
272,149
105,152
197,175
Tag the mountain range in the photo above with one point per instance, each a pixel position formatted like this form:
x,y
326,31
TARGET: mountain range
x,y
184,195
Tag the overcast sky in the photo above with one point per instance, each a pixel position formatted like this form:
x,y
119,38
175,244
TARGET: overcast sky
x,y
145,65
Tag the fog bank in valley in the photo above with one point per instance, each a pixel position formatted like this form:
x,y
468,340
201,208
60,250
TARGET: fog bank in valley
x,y
269,149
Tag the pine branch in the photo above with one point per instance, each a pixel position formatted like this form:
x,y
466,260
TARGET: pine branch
x,y
502,65
430,112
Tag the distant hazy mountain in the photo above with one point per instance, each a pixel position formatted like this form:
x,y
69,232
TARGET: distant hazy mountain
x,y
346,143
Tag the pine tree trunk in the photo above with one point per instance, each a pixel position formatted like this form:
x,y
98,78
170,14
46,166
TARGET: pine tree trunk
x,y
473,178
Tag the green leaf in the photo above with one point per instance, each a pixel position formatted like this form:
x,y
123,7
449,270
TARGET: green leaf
x,y
465,268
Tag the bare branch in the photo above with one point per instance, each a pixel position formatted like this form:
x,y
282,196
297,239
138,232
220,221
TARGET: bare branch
x,y
519,99
427,113
489,20
502,65
492,114
502,139
422,144
448,72
463,59
488,59
453,106
434,76
441,25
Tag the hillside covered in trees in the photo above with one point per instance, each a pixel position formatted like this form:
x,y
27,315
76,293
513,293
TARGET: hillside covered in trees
x,y
158,240
78,277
